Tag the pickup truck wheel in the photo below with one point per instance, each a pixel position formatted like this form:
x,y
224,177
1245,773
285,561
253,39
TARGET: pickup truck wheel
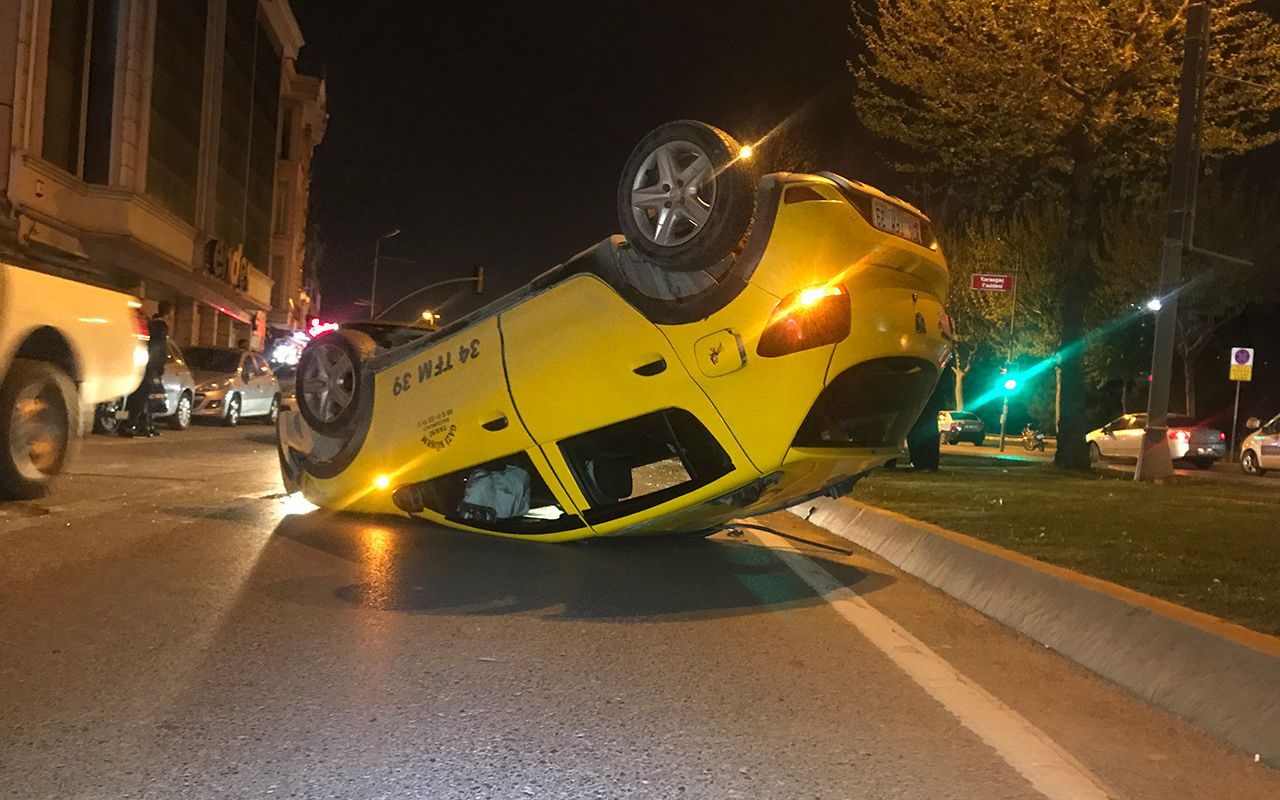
x,y
104,417
181,419
39,416
330,379
686,199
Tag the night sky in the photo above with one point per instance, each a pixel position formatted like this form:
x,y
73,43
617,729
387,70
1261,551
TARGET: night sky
x,y
495,133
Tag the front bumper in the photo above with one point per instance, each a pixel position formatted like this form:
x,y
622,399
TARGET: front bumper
x,y
209,405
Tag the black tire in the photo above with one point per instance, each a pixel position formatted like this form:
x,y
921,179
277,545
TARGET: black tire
x,y
726,197
331,378
180,419
231,417
1201,463
1095,453
1249,464
274,413
104,417
47,398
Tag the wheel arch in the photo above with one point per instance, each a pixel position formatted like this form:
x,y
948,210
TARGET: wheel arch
x,y
49,345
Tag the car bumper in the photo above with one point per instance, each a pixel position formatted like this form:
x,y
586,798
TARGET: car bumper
x,y
1189,450
208,406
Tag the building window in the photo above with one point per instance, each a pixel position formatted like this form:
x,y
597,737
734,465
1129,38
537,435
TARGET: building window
x,y
280,216
286,134
177,87
247,133
278,287
64,83
79,83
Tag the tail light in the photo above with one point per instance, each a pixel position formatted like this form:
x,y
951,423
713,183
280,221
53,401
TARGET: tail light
x,y
806,319
1180,436
955,426
1222,436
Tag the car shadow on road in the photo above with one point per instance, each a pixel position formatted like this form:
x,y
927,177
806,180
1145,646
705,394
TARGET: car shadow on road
x,y
411,566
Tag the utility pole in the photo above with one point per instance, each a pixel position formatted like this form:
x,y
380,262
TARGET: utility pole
x,y
377,254
1154,462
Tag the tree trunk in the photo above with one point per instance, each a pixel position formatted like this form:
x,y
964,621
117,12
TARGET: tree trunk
x,y
1082,224
959,373
1057,399
1126,396
1189,380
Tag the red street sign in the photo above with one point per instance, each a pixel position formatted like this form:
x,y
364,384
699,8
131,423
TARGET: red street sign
x,y
991,283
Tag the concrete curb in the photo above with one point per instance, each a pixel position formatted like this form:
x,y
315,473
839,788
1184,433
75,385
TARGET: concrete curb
x,y
1220,676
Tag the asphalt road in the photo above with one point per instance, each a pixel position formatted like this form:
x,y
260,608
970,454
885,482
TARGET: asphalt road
x,y
168,629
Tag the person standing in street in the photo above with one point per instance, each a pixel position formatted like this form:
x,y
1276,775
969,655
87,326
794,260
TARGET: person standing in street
x,y
141,419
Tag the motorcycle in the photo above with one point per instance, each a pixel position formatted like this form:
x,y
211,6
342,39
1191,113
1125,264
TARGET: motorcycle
x,y
1032,439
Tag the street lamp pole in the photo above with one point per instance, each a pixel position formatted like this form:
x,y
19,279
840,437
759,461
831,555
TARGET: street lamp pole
x,y
377,252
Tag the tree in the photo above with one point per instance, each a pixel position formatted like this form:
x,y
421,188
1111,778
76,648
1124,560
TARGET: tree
x,y
1073,100
1233,220
1025,245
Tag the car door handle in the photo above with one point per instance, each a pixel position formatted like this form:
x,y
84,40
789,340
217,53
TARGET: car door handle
x,y
495,424
651,368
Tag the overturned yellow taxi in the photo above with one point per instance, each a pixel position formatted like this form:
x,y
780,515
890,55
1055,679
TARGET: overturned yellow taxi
x,y
746,345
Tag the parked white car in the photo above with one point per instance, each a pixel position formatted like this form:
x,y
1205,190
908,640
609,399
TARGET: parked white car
x,y
64,345
1260,450
233,383
1189,441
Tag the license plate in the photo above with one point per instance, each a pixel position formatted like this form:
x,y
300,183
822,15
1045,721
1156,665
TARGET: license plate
x,y
891,219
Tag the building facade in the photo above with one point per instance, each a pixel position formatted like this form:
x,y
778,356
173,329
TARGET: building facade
x,y
162,147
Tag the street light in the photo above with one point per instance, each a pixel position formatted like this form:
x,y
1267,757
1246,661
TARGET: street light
x,y
1154,304
377,251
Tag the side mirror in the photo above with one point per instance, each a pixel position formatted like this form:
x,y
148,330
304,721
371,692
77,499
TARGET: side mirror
x,y
1253,423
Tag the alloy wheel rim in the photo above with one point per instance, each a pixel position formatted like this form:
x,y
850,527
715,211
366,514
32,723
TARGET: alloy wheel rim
x,y
327,382
233,410
37,439
673,193
184,411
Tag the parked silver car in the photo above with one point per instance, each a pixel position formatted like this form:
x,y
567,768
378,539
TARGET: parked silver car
x,y
961,426
1188,440
179,396
233,383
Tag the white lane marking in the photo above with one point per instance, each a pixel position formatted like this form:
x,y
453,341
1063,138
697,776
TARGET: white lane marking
x,y
1053,771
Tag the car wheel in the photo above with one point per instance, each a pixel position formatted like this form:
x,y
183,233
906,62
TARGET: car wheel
x,y
686,199
1201,463
181,419
232,417
330,379
1249,464
104,417
39,416
1095,454
273,413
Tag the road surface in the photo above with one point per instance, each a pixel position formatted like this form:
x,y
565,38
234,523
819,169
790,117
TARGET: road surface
x,y
170,630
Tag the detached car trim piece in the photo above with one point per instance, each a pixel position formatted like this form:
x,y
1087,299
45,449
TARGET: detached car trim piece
x,y
653,383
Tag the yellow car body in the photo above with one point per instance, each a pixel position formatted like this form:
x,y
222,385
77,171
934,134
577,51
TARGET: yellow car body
x,y
578,381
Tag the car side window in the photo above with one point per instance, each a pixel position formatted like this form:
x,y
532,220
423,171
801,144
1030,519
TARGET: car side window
x,y
1271,428
629,466
506,495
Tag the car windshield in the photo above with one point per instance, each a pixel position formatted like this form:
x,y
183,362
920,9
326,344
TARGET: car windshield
x,y
213,359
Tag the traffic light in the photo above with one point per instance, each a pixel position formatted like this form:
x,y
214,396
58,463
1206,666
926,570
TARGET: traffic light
x,y
479,280
1010,384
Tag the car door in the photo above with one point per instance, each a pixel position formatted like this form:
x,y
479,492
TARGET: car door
x,y
622,423
1128,439
250,387
268,386
1109,442
1269,446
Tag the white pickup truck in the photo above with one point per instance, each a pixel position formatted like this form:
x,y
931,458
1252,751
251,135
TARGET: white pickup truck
x,y
64,345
